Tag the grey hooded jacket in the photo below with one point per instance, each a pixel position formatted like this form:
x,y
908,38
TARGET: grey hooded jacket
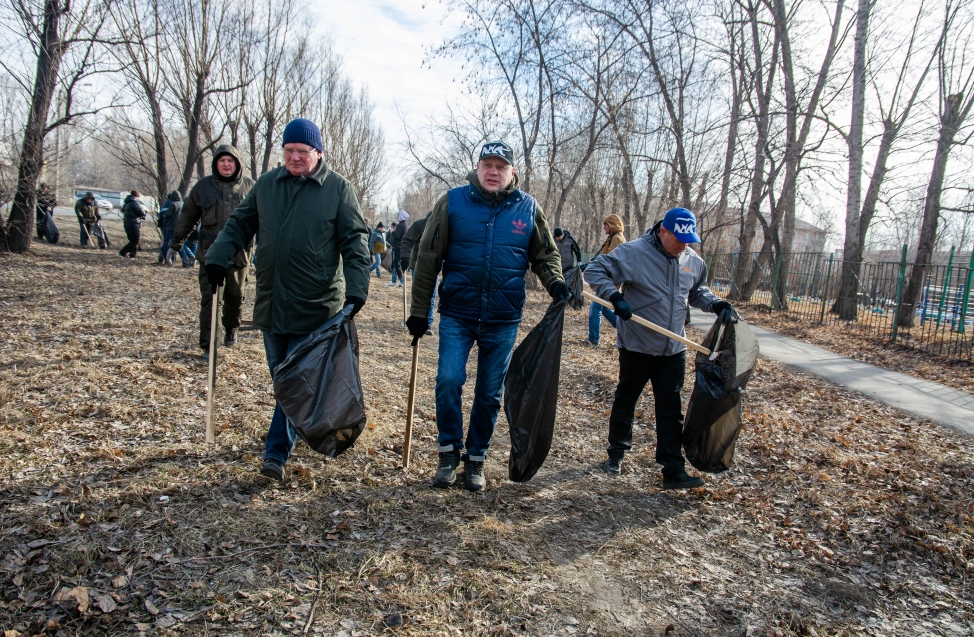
x,y
657,288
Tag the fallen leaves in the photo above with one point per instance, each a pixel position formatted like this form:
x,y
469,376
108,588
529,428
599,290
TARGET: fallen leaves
x,y
840,515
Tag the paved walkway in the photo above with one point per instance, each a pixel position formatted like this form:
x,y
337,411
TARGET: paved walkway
x,y
943,405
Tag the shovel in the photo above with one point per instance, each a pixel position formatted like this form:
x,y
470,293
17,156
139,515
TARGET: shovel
x,y
211,376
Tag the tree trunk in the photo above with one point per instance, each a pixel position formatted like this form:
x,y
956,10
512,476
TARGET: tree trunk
x,y
847,302
159,142
740,290
950,122
19,229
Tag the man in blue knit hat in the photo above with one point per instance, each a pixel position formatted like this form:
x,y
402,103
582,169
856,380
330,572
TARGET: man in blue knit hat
x,y
659,275
313,243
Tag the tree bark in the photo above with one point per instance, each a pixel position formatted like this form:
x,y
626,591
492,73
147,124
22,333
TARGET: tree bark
x,y
950,122
847,302
19,229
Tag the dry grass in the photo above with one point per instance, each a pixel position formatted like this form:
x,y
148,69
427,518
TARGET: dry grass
x,y
841,516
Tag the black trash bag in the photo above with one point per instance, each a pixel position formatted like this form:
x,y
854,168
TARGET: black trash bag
x,y
51,232
714,414
531,394
319,388
574,280
98,232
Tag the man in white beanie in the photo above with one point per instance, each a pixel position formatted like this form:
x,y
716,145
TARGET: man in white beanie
x,y
395,242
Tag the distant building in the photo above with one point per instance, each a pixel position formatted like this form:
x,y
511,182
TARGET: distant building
x,y
808,238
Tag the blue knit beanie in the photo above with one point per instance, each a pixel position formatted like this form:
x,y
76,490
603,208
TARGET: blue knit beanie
x,y
303,131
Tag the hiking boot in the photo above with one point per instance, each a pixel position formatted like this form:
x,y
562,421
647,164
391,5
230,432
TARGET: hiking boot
x,y
682,481
474,479
446,473
230,338
272,469
613,466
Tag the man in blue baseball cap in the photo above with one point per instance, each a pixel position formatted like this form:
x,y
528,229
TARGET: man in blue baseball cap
x,y
659,275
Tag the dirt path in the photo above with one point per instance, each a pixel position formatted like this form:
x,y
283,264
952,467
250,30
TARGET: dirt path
x,y
841,515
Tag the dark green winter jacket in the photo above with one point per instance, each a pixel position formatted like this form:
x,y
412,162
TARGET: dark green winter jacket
x,y
313,239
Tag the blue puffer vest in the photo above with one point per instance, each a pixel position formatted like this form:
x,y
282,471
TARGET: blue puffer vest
x,y
483,273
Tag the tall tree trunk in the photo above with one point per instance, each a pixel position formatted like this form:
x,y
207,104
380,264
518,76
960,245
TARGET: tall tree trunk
x,y
193,135
847,302
950,122
741,290
159,144
19,229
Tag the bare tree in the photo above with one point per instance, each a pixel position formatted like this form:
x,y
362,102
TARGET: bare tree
x,y
894,116
956,93
53,32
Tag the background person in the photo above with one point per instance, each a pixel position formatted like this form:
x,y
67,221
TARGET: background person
x,y
377,247
659,275
395,242
132,216
409,252
312,242
483,236
209,204
168,218
613,230
568,248
86,208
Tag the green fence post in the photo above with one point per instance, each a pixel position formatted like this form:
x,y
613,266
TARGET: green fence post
x,y
943,290
825,291
967,293
899,295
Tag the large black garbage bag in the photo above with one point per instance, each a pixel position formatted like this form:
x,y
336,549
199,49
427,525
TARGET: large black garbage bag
x,y
319,388
531,394
51,232
574,280
714,414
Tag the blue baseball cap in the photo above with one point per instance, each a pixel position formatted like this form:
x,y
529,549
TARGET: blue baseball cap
x,y
683,224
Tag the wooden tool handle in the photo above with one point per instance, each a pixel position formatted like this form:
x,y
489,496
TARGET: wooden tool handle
x,y
211,375
653,326
410,402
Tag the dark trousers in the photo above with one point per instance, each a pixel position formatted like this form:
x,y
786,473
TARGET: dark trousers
x,y
134,233
666,375
232,293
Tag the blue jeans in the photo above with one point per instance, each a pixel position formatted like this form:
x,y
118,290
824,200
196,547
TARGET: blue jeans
x,y
595,314
164,248
281,434
397,274
495,342
187,253
377,265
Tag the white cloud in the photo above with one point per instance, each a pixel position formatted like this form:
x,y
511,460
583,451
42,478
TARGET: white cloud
x,y
384,45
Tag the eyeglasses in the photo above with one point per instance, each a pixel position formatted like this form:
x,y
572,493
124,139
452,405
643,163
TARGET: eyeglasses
x,y
303,154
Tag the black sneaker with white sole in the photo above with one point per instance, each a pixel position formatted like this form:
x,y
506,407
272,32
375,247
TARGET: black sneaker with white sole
x,y
613,466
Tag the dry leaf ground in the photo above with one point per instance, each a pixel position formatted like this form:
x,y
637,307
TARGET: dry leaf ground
x,y
840,517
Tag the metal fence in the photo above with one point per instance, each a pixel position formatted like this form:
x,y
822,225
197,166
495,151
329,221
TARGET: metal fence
x,y
943,319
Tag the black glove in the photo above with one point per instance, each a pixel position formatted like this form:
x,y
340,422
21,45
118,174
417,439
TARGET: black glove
x,y
559,291
720,306
404,264
417,326
215,274
620,306
356,302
